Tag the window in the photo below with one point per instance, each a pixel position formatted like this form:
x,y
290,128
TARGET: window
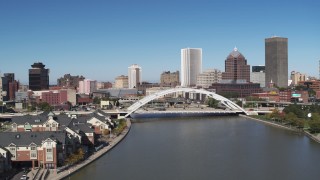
x,y
49,150
33,148
33,155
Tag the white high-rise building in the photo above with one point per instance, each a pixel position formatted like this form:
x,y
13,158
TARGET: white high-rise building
x,y
134,76
191,66
87,86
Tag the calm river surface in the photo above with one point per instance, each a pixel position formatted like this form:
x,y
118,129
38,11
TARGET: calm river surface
x,y
207,148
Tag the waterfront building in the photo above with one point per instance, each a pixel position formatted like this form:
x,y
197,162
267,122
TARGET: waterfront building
x,y
115,93
38,77
41,149
145,85
285,95
208,77
239,90
276,60
258,75
153,90
296,77
87,86
5,160
236,68
191,66
236,78
68,81
134,76
170,79
121,82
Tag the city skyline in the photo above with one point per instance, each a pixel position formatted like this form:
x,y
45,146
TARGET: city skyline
x,y
107,37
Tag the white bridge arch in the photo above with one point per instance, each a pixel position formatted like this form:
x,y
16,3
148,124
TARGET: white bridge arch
x,y
229,104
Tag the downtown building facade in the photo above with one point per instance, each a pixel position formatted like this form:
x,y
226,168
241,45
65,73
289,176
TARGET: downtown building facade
x,y
121,82
9,86
170,79
296,77
87,86
104,85
208,77
191,66
258,75
38,77
134,76
236,78
276,61
69,81
236,68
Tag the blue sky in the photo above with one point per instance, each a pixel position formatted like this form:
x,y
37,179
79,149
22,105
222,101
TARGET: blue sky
x,y
100,39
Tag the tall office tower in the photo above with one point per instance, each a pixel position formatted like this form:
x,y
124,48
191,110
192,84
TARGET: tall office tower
x,y
276,60
38,77
191,66
236,68
134,76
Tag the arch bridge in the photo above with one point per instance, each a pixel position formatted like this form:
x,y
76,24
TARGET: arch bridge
x,y
229,104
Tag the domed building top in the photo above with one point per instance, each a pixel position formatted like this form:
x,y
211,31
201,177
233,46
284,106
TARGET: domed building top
x,y
235,54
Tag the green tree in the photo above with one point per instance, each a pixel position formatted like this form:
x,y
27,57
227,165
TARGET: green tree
x,y
75,157
291,118
96,100
44,106
275,115
315,116
314,126
296,109
211,102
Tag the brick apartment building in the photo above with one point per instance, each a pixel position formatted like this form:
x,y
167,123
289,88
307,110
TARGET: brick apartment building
x,y
42,149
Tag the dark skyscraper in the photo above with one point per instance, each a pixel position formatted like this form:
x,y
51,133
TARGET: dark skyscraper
x,y
276,61
6,80
38,77
258,68
236,68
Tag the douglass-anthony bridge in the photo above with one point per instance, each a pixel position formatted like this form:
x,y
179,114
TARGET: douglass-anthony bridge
x,y
229,104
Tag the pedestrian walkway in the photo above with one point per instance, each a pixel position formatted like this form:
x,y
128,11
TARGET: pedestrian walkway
x,y
63,174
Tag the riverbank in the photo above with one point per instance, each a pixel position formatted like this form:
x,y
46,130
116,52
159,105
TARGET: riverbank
x,y
271,123
64,174
311,136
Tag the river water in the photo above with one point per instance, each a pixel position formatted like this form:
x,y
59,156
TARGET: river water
x,y
207,148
